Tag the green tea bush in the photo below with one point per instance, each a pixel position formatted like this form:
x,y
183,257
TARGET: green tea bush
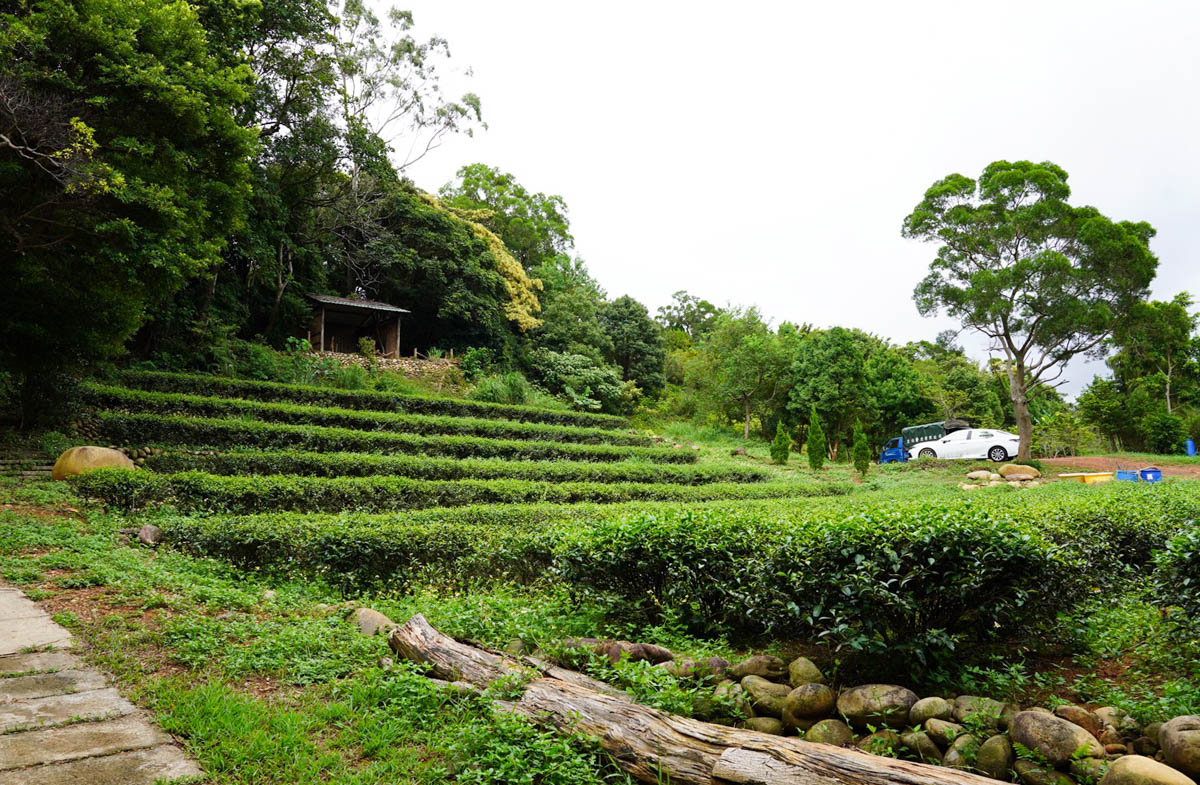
x,y
200,491
1177,577
367,400
347,464
120,428
424,424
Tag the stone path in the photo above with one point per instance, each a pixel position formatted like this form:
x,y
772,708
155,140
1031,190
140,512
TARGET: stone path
x,y
60,724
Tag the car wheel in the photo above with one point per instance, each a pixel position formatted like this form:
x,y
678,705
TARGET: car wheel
x,y
998,454
927,453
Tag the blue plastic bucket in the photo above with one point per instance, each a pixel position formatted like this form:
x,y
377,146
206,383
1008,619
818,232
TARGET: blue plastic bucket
x,y
1151,474
1127,476
1190,448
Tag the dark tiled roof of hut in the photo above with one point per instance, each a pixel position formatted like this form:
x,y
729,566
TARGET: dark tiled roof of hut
x,y
351,302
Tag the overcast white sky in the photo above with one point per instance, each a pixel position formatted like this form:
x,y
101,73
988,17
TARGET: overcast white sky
x,y
766,153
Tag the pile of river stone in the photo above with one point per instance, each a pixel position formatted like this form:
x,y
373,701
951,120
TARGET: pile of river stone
x,y
1067,746
1013,474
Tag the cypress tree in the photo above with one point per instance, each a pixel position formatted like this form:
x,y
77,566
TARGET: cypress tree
x,y
860,450
815,442
782,445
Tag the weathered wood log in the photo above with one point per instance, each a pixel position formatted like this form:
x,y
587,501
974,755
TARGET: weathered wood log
x,y
657,747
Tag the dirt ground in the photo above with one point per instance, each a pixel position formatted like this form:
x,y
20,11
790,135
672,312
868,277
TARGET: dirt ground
x,y
1107,463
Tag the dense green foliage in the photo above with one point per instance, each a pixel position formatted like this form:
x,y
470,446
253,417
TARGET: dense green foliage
x,y
1177,576
156,429
781,445
360,399
198,491
124,170
122,399
860,451
347,464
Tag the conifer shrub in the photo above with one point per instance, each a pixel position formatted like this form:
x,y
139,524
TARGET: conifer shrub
x,y
860,450
815,444
782,445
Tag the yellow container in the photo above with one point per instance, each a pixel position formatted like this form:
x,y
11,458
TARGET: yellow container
x,y
1090,478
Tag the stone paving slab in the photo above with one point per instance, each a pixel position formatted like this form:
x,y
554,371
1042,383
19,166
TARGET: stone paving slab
x,y
15,605
19,634
139,767
82,740
42,684
38,662
58,709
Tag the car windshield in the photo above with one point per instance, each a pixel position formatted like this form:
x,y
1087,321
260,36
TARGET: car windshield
x,y
958,436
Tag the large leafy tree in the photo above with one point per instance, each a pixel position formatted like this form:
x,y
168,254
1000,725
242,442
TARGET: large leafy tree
x,y
637,343
742,368
829,375
123,170
534,226
1156,344
688,314
1044,280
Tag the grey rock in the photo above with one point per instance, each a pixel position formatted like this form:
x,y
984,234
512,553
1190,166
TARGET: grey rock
x,y
372,622
763,665
833,732
802,671
385,663
1110,715
962,753
515,647
1154,732
1180,743
1032,773
769,725
876,704
923,746
809,701
943,733
976,709
1144,745
881,742
1138,770
995,757
731,695
1081,717
150,535
1054,738
766,696
929,709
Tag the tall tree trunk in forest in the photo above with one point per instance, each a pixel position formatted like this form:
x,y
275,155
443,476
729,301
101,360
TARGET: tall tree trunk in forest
x,y
282,279
1020,402
746,426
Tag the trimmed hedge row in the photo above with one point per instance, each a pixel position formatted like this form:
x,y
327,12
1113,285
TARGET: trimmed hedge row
x,y
345,464
144,429
196,491
909,584
361,399
297,414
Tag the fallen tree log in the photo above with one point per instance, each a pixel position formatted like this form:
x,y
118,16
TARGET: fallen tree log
x,y
654,746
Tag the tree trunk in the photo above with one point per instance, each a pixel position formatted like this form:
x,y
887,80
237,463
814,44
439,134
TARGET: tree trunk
x,y
746,425
1020,402
654,746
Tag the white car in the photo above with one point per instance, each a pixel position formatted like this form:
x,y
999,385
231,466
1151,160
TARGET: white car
x,y
972,443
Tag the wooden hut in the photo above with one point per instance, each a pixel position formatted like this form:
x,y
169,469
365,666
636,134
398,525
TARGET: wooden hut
x,y
340,322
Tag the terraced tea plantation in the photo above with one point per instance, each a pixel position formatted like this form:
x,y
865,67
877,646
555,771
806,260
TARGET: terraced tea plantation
x,y
221,445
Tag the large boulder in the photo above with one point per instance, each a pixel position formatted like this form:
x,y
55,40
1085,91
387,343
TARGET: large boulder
x,y
769,725
807,702
727,693
766,696
802,671
942,732
79,460
929,709
1180,742
1054,738
833,732
763,665
922,746
1139,770
1009,469
995,757
876,704
371,622
979,475
881,742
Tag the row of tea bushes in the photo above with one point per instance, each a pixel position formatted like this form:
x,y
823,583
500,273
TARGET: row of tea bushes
x,y
349,464
199,384
198,491
901,585
160,429
120,398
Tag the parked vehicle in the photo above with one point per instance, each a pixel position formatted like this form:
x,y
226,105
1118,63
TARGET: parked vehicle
x,y
901,449
973,444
